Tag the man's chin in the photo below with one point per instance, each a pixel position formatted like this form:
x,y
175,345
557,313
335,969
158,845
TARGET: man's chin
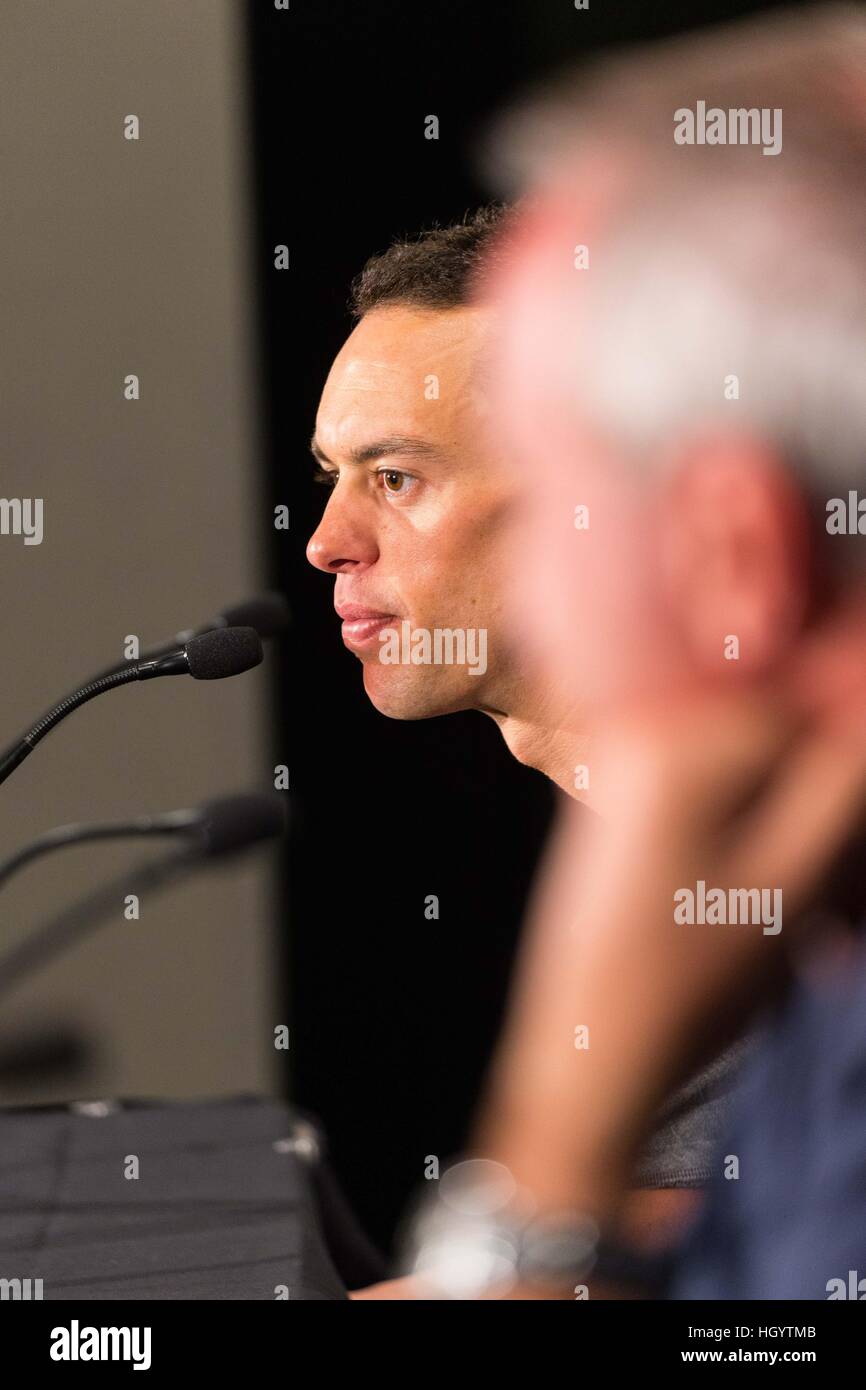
x,y
412,693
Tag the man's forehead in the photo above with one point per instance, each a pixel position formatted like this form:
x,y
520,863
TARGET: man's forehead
x,y
356,371
396,342
407,366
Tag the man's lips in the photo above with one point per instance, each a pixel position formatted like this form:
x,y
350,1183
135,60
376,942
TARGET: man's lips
x,y
361,626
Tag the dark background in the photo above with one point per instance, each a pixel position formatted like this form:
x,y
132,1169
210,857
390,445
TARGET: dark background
x,y
392,1016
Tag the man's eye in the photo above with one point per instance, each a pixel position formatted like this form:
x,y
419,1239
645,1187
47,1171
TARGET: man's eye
x,y
393,480
326,476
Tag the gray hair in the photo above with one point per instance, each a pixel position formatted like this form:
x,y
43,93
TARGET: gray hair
x,y
717,261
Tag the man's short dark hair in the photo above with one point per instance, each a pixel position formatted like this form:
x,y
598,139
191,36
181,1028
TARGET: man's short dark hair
x,y
436,270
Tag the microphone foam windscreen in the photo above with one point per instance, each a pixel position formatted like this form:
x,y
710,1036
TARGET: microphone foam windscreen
x,y
227,651
231,823
267,613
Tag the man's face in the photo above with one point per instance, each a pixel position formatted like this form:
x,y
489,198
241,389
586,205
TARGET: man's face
x,y
416,529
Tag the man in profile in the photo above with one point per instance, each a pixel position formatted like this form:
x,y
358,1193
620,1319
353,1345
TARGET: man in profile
x,y
419,537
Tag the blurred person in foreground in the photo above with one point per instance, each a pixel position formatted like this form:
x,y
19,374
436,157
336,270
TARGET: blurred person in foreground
x,y
691,385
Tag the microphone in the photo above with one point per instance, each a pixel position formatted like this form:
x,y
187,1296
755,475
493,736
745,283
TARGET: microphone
x,y
208,657
212,825
227,827
234,823
268,613
211,656
52,1052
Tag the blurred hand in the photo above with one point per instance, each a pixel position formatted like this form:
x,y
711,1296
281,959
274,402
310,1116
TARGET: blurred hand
x,y
739,789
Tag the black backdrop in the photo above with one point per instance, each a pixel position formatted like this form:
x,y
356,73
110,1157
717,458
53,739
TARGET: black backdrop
x,y
392,1016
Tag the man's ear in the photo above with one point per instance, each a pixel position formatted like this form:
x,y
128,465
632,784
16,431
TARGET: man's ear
x,y
735,553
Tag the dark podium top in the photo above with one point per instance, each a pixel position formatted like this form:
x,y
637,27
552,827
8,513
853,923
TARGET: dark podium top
x,y
232,1201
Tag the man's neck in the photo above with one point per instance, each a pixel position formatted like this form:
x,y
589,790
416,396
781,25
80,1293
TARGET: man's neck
x,y
560,753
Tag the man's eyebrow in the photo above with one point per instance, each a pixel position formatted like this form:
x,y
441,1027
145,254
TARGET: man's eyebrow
x,y
381,448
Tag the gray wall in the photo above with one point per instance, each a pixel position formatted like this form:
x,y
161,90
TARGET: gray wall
x,y
123,257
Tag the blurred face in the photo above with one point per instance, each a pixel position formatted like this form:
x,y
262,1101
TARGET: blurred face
x,y
636,574
416,531
585,603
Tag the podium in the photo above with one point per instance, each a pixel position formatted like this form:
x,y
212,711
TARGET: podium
x,y
228,1199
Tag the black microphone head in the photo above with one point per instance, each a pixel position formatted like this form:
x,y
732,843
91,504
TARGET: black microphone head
x,y
267,613
232,823
227,651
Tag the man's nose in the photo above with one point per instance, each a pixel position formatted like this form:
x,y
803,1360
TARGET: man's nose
x,y
341,542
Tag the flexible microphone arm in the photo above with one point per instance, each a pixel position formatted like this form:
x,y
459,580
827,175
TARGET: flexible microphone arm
x,y
86,832
212,656
15,755
217,827
229,826
85,916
